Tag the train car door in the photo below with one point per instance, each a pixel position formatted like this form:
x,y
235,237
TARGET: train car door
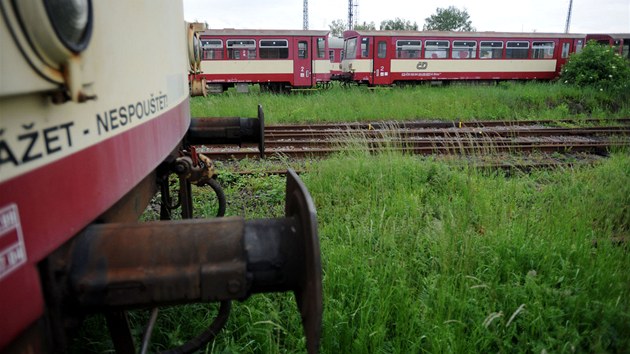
x,y
381,71
302,62
566,48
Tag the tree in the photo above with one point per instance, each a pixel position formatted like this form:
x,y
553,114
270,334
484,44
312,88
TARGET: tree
x,y
398,24
337,27
598,66
450,19
365,26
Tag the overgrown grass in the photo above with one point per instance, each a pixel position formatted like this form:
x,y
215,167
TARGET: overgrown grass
x,y
427,258
510,101
423,256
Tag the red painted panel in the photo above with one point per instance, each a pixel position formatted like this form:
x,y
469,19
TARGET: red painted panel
x,y
58,200
382,63
248,78
303,52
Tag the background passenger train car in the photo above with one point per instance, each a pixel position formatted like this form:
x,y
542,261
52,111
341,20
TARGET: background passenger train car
x,y
390,57
621,41
335,52
275,59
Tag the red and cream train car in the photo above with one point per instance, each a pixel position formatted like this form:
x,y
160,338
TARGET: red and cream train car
x,y
275,59
621,41
391,57
335,53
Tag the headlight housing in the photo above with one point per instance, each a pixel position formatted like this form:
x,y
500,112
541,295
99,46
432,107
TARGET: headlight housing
x,y
194,49
52,35
72,22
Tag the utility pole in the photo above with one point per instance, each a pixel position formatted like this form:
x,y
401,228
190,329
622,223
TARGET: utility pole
x,y
566,28
353,8
350,15
305,16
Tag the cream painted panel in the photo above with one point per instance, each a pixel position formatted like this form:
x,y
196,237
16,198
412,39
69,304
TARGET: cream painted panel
x,y
445,66
247,67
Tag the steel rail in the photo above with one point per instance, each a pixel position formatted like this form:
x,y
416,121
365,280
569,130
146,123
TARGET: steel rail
x,y
539,132
459,149
384,124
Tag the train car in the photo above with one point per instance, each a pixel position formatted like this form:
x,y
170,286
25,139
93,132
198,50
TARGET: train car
x,y
278,60
621,41
335,53
403,57
90,131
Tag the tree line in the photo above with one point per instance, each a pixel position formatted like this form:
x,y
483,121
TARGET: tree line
x,y
444,19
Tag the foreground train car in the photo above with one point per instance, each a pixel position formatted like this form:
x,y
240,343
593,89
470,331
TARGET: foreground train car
x,y
276,59
399,57
89,132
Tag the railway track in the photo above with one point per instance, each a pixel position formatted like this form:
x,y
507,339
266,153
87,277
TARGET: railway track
x,y
505,166
464,138
385,124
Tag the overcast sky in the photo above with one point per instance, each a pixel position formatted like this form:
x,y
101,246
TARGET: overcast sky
x,y
588,16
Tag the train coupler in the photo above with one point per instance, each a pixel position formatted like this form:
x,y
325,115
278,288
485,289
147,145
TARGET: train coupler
x,y
137,265
228,130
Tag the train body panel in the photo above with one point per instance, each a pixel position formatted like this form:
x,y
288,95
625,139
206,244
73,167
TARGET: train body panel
x,y
335,54
388,57
90,131
295,58
66,160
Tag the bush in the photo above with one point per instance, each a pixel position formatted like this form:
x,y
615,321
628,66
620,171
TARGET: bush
x,y
597,66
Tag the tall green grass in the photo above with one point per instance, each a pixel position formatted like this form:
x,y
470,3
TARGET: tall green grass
x,y
422,257
456,102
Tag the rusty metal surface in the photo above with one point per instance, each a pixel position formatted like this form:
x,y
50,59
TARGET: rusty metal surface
x,y
462,148
198,87
223,130
308,294
114,267
228,130
159,263
386,124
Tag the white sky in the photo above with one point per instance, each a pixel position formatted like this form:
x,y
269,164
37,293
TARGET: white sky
x,y
588,16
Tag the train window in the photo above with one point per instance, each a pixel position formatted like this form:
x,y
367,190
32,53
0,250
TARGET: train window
x,y
542,50
464,50
408,49
491,50
565,50
212,49
365,47
517,50
274,49
331,55
351,48
625,49
616,45
579,45
321,48
302,50
241,48
436,49
382,49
